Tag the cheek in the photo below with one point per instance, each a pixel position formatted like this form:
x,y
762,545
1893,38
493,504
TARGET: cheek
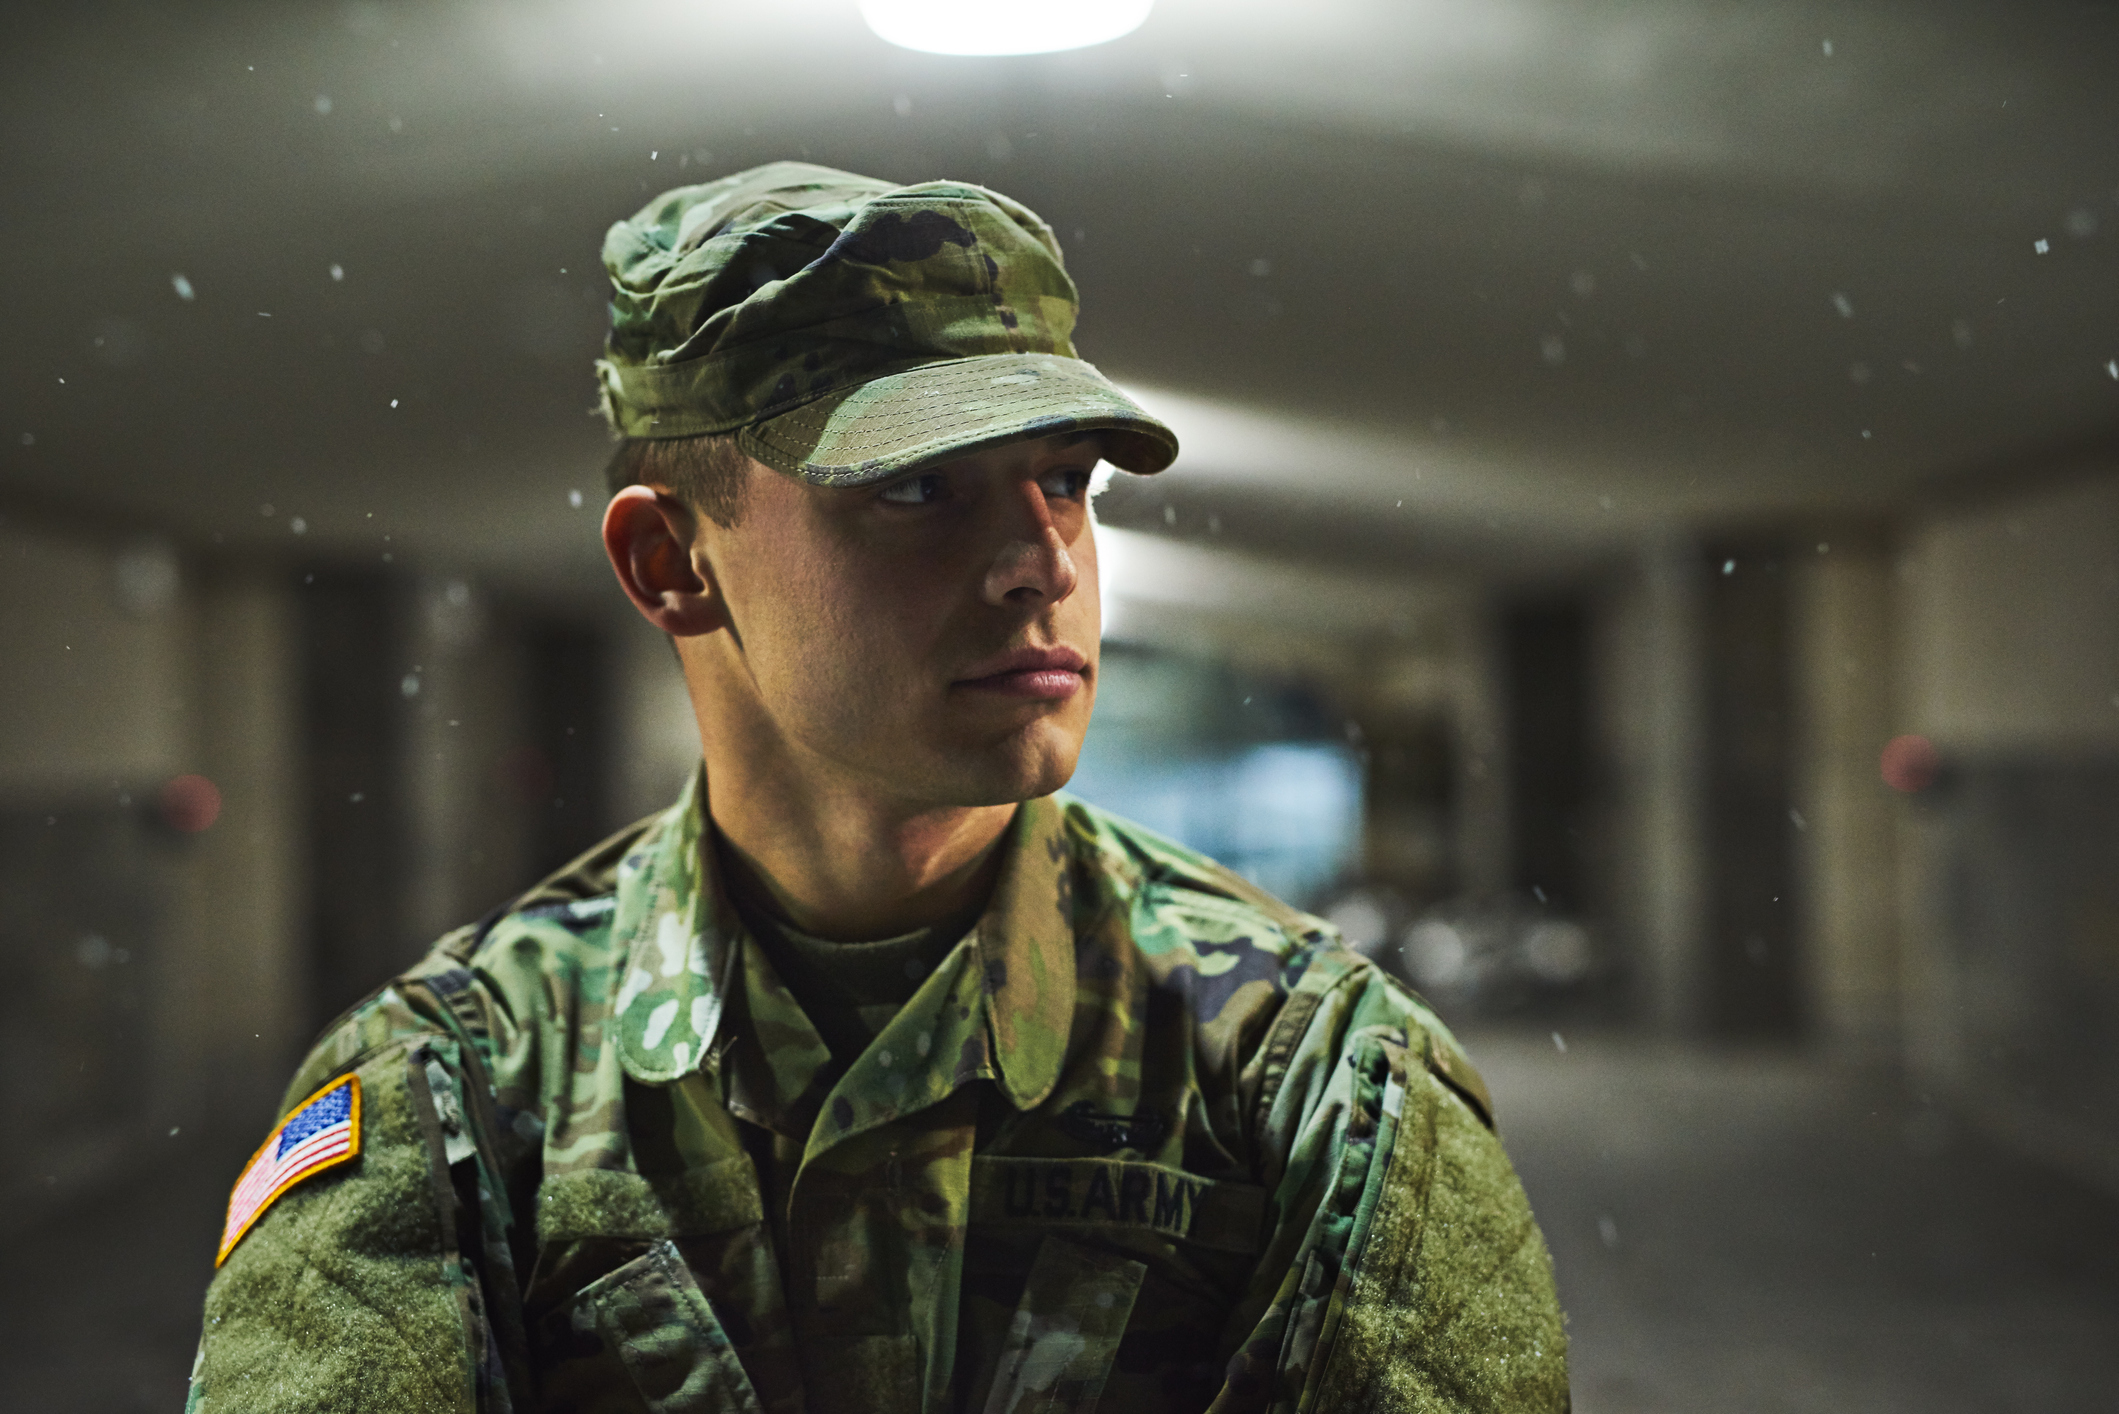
x,y
839,641
814,618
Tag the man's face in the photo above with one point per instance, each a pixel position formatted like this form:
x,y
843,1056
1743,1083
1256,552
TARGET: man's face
x,y
932,638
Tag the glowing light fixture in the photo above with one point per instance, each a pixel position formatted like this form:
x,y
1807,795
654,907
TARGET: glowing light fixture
x,y
1002,26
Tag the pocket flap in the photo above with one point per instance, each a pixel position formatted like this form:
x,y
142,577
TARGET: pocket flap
x,y
653,1316
699,1202
1066,1330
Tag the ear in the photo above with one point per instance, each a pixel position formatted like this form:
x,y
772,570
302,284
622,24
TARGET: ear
x,y
648,535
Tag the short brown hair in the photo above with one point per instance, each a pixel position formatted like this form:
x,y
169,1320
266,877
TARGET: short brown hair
x,y
710,473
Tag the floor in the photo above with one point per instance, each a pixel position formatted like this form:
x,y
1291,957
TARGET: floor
x,y
101,1301
1735,1233
1754,1233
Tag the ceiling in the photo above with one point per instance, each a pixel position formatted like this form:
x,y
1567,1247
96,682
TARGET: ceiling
x,y
1437,284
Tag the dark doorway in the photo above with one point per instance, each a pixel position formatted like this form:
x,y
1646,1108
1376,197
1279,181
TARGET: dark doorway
x,y
1408,804
1753,977
1545,650
353,698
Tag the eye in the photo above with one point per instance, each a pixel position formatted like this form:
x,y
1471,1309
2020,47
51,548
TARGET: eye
x,y
1068,484
922,490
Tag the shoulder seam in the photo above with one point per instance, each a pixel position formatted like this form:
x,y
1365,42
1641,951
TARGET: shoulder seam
x,y
1461,1080
1285,1037
567,883
370,1053
1104,833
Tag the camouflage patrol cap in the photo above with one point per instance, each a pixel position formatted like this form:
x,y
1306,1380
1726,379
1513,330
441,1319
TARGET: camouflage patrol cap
x,y
848,330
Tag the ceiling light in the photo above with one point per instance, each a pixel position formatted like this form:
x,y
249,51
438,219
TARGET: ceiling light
x,y
1002,26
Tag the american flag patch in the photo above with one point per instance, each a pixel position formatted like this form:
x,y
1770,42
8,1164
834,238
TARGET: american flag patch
x,y
323,1131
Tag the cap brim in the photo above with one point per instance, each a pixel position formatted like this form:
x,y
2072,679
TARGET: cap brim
x,y
939,412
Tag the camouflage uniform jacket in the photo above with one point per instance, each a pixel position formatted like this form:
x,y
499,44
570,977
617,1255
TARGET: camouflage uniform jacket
x,y
1147,1140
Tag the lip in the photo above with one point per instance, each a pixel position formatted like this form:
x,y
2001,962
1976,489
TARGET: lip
x,y
1046,674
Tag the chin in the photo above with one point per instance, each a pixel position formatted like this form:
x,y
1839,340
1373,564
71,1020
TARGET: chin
x,y
1034,762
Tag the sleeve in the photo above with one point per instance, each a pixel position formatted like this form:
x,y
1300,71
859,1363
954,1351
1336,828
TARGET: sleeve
x,y
1406,1272
385,1283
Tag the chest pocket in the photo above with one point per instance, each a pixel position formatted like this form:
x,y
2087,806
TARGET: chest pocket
x,y
1129,1271
1066,1331
1116,1195
650,1315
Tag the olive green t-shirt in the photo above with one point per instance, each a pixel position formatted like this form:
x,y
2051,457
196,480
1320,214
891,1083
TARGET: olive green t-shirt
x,y
850,991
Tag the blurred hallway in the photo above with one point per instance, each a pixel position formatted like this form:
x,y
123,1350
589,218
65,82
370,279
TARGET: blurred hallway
x,y
1735,1233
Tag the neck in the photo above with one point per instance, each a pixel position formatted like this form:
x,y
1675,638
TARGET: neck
x,y
832,857
849,869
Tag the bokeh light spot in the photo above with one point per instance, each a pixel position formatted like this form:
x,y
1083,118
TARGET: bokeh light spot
x,y
190,804
1909,763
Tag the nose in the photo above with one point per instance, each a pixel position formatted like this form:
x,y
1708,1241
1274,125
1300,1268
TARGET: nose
x,y
1032,565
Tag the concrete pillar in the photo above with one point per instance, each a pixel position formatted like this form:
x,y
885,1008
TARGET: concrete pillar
x,y
1650,685
1847,822
231,1014
2009,665
95,711
466,745
92,647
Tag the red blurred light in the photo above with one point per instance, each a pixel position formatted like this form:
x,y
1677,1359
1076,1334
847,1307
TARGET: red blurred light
x,y
1909,763
190,804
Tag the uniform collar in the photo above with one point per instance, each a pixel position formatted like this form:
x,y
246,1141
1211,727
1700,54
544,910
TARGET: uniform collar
x,y
678,938
1000,1007
1024,944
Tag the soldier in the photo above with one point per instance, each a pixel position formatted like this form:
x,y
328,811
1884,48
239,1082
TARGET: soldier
x,y
873,1075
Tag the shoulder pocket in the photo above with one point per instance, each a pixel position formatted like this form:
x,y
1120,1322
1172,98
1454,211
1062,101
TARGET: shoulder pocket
x,y
349,1291
654,1318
